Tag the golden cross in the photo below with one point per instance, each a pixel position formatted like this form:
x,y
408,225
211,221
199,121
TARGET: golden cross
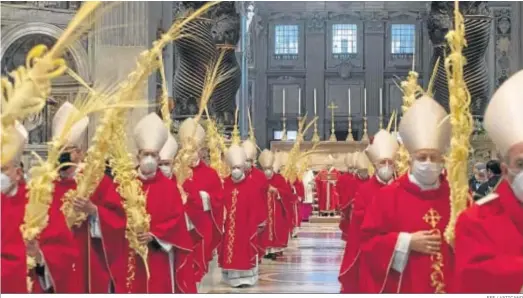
x,y
332,107
432,217
235,192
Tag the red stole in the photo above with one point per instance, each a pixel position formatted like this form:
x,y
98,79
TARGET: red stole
x,y
404,207
165,208
239,250
276,232
349,271
13,260
489,245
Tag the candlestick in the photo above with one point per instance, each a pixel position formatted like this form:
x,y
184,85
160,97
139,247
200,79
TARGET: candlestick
x,y
284,130
350,113
365,137
381,102
299,102
349,138
365,102
380,119
315,111
332,107
283,102
315,136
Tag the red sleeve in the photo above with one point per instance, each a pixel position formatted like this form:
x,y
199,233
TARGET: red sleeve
x,y
480,268
60,255
378,240
13,265
167,213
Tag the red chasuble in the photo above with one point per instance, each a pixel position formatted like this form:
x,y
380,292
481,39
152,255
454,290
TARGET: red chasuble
x,y
353,183
489,245
166,211
404,207
14,269
327,194
98,256
259,200
276,232
238,251
208,224
58,248
183,254
349,271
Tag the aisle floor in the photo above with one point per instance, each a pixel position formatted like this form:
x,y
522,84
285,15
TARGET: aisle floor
x,y
309,265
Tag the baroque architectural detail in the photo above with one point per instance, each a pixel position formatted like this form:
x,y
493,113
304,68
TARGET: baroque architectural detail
x,y
477,33
503,44
345,69
316,22
287,16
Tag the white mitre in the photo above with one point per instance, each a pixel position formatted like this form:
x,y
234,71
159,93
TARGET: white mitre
x,y
425,125
503,121
250,149
150,133
235,156
349,160
190,129
278,160
169,149
266,159
60,120
384,146
362,162
14,149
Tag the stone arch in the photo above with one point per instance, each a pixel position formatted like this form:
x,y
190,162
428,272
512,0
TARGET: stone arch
x,y
16,32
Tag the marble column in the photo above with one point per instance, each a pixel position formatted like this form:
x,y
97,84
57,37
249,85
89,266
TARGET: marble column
x,y
120,36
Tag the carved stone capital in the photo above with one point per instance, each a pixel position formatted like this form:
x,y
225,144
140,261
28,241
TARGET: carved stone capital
x,y
316,22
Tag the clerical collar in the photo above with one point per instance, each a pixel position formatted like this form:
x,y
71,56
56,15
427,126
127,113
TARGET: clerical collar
x,y
423,187
13,192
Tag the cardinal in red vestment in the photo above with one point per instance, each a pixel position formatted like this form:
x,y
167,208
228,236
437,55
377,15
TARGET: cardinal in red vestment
x,y
13,258
326,179
259,199
105,213
381,154
402,245
347,186
489,235
276,233
204,199
164,206
183,247
238,257
299,192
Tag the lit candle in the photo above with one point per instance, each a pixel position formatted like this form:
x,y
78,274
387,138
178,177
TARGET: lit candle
x,y
381,102
365,102
349,103
299,101
315,111
283,102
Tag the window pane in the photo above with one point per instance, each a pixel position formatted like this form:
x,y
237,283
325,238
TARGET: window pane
x,y
344,39
403,39
286,39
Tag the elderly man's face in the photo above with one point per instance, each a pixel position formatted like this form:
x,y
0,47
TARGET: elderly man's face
x,y
514,163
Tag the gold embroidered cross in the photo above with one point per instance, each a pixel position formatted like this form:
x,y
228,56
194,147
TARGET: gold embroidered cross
x,y
432,217
235,192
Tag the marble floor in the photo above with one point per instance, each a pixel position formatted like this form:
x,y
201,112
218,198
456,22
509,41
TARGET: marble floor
x,y
309,265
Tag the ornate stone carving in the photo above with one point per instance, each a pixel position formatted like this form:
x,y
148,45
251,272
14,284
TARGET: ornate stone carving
x,y
477,33
503,41
344,70
316,22
287,16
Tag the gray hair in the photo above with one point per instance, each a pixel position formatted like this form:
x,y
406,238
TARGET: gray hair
x,y
480,166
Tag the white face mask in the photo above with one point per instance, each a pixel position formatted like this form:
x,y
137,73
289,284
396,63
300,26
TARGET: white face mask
x,y
385,173
426,172
237,174
517,185
268,173
148,165
363,174
166,170
5,183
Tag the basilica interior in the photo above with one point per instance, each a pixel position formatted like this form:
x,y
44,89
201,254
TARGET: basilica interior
x,y
339,61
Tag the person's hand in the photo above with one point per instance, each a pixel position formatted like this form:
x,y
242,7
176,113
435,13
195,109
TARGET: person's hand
x,y
272,189
84,205
145,238
33,250
425,242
